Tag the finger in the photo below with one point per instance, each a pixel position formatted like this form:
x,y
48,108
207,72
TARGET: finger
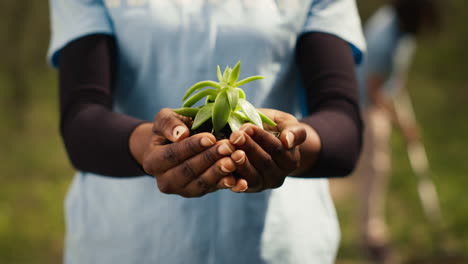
x,y
247,171
191,169
241,186
285,159
292,134
258,157
265,139
208,180
171,125
162,158
227,182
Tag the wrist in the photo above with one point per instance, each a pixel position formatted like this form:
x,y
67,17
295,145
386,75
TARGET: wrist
x,y
139,141
309,150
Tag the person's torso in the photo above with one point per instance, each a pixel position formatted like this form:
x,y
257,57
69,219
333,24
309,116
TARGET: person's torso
x,y
163,48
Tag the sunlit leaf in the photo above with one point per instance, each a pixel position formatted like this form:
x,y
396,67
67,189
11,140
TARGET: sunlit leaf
x,y
187,111
234,73
250,111
198,96
226,73
241,93
241,115
233,97
221,111
266,119
235,121
199,86
220,75
203,115
247,80
210,98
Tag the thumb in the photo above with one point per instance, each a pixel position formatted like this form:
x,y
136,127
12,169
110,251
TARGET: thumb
x,y
171,125
293,135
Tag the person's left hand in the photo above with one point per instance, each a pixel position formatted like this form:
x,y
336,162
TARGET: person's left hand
x,y
263,159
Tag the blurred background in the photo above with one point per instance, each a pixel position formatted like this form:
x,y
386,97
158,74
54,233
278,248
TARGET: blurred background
x,y
35,173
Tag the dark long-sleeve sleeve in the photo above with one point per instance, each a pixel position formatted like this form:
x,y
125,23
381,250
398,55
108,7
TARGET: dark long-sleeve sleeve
x,y
96,139
327,67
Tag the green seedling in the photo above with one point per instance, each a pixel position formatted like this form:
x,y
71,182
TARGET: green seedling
x,y
225,102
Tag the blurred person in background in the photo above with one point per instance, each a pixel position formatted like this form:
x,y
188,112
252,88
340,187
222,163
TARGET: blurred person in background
x,y
391,40
122,62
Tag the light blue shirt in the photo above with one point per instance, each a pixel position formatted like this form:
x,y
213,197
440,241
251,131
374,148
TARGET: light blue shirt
x,y
164,46
389,52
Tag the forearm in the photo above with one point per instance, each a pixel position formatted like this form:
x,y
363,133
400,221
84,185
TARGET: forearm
x,y
334,115
96,138
340,143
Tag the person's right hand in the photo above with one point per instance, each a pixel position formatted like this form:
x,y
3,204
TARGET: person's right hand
x,y
190,166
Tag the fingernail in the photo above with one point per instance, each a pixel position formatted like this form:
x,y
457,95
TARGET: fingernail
x,y
290,139
240,140
224,169
227,184
245,189
224,149
248,130
178,130
206,142
241,160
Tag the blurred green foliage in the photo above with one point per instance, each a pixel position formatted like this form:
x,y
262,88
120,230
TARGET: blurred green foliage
x,y
35,172
438,85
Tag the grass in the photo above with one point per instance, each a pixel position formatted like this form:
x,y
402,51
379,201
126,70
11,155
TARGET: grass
x,y
34,179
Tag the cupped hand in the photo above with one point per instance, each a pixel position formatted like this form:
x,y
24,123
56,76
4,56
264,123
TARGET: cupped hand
x,y
264,157
190,166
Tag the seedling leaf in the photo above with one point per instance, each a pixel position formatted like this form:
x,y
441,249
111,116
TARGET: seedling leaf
x,y
203,115
221,111
235,121
241,115
233,98
247,80
220,75
250,111
226,73
210,98
266,119
241,93
187,111
198,96
234,74
199,86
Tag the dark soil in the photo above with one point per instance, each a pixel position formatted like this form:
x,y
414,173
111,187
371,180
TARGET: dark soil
x,y
208,127
225,133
